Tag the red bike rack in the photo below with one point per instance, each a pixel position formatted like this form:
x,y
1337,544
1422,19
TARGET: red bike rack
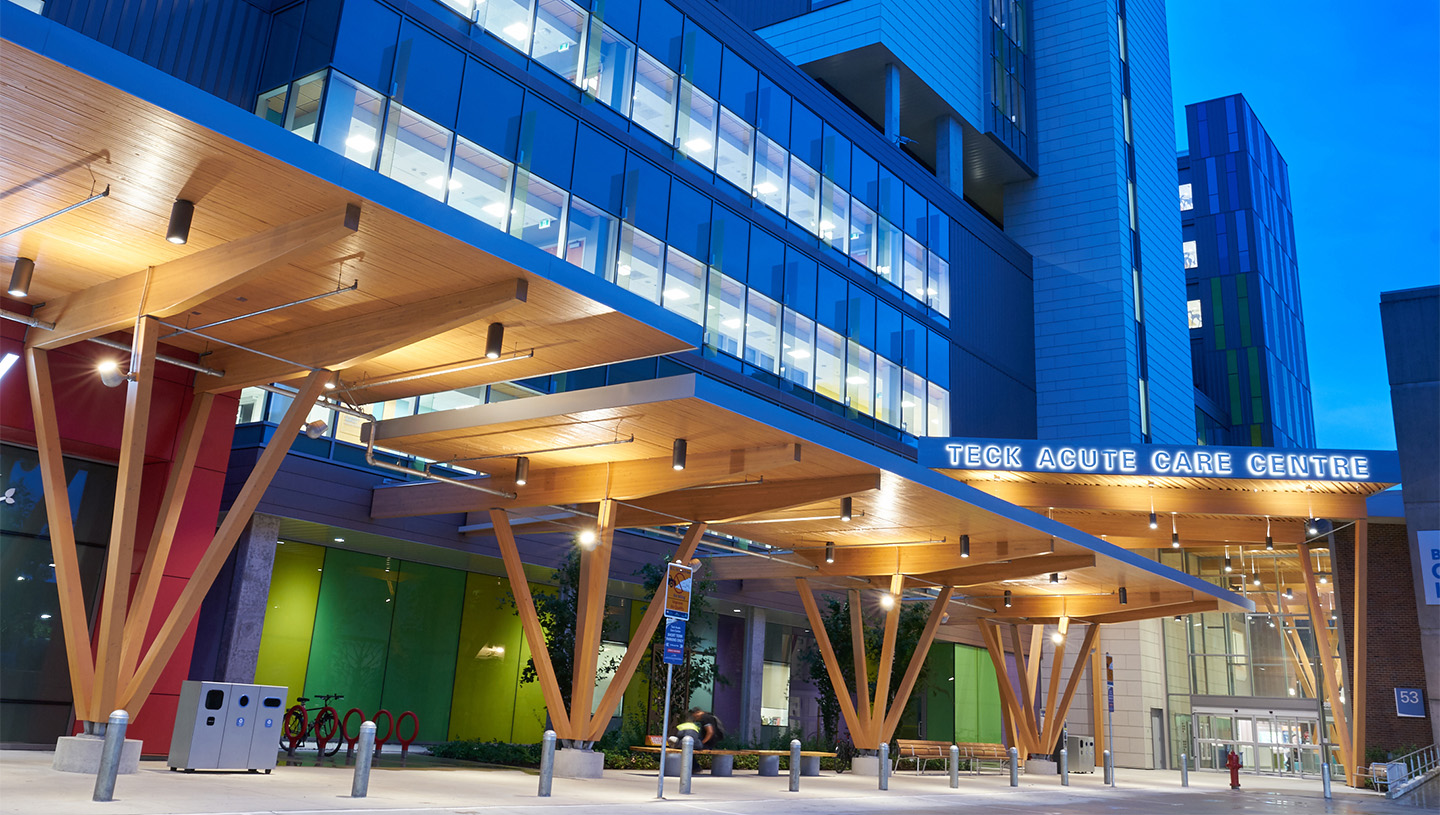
x,y
389,729
345,731
295,737
321,739
415,734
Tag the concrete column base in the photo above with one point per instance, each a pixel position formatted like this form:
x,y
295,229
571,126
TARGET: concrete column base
x,y
723,766
579,764
81,754
770,765
864,766
1041,766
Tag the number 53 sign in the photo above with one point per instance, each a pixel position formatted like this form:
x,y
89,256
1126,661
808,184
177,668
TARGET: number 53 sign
x,y
1409,702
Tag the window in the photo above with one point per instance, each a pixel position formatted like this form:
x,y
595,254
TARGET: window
x,y
1196,314
889,246
305,105
915,272
480,184
684,285
859,378
762,332
725,314
862,234
887,391
1192,257
538,216
699,115
829,363
1187,200
834,215
559,31
352,121
937,411
797,348
638,267
654,100
417,152
608,67
912,404
734,159
937,292
590,239
510,21
804,196
271,105
770,166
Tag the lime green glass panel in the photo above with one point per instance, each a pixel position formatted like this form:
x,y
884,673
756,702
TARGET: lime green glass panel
x,y
488,663
352,630
940,687
638,692
290,617
528,717
987,697
420,668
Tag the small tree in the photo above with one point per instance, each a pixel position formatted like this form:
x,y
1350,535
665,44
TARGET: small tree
x,y
835,616
697,671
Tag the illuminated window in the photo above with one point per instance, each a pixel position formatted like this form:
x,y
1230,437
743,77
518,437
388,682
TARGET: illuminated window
x,y
638,268
1192,257
559,30
696,136
654,104
480,184
798,350
608,68
724,314
416,153
734,157
684,285
771,163
1187,201
1197,320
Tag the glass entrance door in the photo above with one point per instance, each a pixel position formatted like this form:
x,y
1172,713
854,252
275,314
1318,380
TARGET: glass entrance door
x,y
1267,744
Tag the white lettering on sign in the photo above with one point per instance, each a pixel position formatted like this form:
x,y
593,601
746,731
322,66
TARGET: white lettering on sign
x,y
1182,462
992,456
1290,465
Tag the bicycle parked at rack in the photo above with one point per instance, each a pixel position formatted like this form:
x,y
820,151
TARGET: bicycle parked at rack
x,y
325,729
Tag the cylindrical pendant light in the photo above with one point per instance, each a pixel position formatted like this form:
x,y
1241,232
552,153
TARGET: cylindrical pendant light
x,y
829,551
1124,596
182,212
677,455
1007,598
20,277
964,546
522,470
847,508
494,339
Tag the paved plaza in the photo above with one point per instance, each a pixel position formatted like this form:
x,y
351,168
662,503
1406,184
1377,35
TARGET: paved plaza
x,y
29,786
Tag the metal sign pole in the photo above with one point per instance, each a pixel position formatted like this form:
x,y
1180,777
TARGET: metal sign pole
x,y
1110,717
664,731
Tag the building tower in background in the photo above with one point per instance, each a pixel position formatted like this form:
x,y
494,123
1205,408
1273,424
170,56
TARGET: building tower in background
x,y
1247,331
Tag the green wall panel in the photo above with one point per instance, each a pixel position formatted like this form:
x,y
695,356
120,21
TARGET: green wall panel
x,y
352,630
637,694
940,686
420,665
290,617
527,721
488,663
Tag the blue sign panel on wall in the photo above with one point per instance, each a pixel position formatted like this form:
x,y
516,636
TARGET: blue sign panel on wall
x,y
1410,703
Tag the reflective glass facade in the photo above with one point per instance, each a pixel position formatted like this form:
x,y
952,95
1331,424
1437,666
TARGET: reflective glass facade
x,y
1247,333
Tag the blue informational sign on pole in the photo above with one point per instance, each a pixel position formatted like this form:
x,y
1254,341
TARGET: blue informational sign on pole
x,y
1110,691
1410,703
674,642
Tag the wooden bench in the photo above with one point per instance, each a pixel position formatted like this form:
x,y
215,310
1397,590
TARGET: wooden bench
x,y
921,752
979,753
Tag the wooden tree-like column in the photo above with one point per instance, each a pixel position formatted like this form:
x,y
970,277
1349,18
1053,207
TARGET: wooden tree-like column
x,y
1029,734
1348,729
125,668
575,724
871,722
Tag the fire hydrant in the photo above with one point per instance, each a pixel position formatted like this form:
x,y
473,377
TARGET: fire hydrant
x,y
1233,762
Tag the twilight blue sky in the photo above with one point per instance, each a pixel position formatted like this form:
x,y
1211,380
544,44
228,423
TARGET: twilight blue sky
x,y
1350,93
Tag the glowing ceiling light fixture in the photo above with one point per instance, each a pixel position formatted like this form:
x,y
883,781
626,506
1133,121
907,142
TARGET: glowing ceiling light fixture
x,y
1054,577
678,452
522,470
182,212
847,509
697,145
1124,596
829,551
20,277
1007,598
360,143
964,546
1174,533
1289,595
1057,638
110,375
587,539
1228,567
887,601
517,31
7,361
494,340
1269,539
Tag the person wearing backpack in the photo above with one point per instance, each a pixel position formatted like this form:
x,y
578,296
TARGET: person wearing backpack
x,y
712,732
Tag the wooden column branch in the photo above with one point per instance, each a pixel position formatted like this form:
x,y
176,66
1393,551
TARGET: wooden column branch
x,y
640,640
917,661
590,618
1028,723
1321,628
530,624
862,669
1099,701
1056,665
887,660
1037,645
832,665
74,622
1056,719
990,632
119,556
188,603
171,507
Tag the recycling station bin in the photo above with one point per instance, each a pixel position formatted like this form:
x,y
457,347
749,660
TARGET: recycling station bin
x,y
227,726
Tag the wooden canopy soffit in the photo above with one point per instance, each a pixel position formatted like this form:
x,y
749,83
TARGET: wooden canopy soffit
x,y
1188,502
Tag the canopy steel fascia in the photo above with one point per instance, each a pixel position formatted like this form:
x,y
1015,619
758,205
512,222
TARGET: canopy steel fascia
x,y
392,433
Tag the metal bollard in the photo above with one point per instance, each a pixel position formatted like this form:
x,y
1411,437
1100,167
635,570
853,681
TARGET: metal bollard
x,y
1184,770
110,756
547,763
1109,769
1014,767
794,765
687,763
1325,778
885,766
954,766
360,785
1064,766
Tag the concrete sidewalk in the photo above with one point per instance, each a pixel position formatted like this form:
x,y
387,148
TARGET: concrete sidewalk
x,y
427,785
